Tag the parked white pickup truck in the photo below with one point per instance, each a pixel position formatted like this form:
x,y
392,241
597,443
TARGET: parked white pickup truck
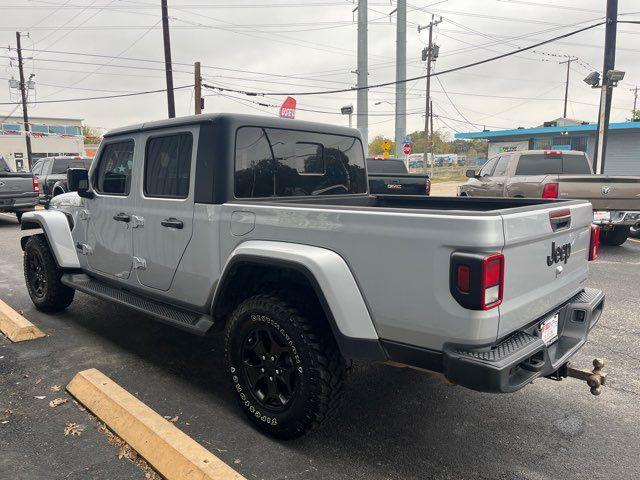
x,y
264,228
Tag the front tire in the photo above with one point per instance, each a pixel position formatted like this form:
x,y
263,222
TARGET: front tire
x,y
614,237
286,370
42,277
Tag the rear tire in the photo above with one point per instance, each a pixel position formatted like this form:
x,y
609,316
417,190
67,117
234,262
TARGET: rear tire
x,y
286,370
19,216
614,237
42,277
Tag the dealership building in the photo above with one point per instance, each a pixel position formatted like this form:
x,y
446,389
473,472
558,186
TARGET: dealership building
x,y
49,137
623,143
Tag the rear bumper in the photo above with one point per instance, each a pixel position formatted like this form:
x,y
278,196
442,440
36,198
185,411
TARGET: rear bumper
x,y
20,203
620,218
523,356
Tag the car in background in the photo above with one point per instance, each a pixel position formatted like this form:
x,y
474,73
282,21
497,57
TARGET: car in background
x,y
561,174
18,190
51,173
389,176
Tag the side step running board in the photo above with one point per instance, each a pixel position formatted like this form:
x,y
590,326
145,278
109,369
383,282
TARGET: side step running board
x,y
192,322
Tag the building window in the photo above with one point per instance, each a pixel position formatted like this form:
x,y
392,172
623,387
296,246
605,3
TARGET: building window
x,y
40,128
11,128
57,129
71,130
563,142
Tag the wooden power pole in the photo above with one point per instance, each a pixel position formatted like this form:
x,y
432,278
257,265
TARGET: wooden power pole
x,y
171,105
24,88
566,86
197,81
429,58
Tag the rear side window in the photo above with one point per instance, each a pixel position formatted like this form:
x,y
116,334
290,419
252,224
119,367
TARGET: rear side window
x,y
386,166
541,164
283,163
113,175
167,166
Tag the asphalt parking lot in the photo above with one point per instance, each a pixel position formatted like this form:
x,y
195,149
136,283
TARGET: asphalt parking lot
x,y
394,423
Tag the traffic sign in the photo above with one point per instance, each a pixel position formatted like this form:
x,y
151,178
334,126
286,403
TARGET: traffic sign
x,y
386,145
406,148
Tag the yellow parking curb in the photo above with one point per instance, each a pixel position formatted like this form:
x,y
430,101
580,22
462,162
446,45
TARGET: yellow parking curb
x,y
167,449
15,326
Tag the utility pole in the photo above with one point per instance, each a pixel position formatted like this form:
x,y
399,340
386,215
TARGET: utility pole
x,y
23,92
401,76
428,55
566,87
362,105
197,82
433,157
635,102
607,86
171,105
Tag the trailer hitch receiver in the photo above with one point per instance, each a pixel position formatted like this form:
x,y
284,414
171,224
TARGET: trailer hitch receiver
x,y
595,378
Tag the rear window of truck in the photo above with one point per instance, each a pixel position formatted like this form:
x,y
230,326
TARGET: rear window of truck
x,y
386,167
545,164
284,163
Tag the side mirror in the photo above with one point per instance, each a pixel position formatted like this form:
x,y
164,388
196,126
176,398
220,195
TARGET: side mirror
x,y
471,173
78,181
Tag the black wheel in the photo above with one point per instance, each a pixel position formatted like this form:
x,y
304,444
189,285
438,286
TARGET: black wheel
x,y
286,370
634,232
42,277
614,237
19,216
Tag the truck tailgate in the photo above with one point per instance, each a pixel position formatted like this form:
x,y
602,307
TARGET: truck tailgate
x,y
15,185
536,280
603,191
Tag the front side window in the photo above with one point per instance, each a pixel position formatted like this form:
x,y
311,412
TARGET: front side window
x,y
487,169
168,166
501,167
289,163
113,175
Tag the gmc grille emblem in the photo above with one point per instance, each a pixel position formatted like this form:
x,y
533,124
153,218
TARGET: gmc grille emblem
x,y
559,254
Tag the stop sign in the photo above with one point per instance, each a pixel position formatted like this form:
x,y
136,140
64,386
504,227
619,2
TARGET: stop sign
x,y
406,148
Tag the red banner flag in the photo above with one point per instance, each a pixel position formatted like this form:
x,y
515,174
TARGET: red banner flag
x,y
288,108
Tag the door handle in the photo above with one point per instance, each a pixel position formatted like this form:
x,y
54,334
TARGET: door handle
x,y
122,217
172,223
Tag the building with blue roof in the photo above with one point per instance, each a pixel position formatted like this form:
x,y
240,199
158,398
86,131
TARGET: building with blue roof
x,y
623,144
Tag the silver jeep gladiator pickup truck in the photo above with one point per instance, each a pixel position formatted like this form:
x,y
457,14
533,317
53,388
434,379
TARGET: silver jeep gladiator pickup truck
x,y
263,228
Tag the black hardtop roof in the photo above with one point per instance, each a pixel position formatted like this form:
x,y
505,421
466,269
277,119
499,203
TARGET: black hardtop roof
x,y
237,120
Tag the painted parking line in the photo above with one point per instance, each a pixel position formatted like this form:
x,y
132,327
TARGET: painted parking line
x,y
166,448
15,326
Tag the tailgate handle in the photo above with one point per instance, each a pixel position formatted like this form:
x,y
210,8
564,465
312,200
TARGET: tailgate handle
x,y
560,219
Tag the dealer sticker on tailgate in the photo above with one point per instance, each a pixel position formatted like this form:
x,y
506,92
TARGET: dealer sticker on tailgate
x,y
549,330
601,216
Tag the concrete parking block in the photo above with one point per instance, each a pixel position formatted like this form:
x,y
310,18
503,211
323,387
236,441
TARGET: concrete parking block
x,y
15,326
165,447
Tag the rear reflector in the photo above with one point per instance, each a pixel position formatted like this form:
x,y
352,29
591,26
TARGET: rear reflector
x,y
36,185
492,281
427,186
594,244
464,278
550,190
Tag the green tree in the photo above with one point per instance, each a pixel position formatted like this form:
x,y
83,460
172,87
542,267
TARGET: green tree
x,y
91,135
635,116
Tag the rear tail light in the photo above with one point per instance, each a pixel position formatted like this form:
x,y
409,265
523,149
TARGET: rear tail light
x,y
550,190
36,185
427,186
477,280
594,243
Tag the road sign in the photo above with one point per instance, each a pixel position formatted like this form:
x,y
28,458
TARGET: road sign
x,y
406,148
386,145
385,154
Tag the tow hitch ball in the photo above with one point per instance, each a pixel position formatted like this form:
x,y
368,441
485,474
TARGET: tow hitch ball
x,y
595,378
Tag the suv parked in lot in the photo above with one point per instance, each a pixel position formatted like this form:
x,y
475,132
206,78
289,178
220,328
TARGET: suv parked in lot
x,y
561,174
51,173
264,228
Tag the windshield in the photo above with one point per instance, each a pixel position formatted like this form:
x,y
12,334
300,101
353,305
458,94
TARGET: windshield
x,y
545,164
386,166
61,165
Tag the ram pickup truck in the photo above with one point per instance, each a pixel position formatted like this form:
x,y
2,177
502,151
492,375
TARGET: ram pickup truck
x,y
51,173
562,174
264,228
18,190
390,177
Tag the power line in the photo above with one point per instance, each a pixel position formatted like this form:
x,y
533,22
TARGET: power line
x,y
419,77
133,94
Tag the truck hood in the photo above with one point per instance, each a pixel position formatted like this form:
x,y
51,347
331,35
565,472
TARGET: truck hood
x,y
603,191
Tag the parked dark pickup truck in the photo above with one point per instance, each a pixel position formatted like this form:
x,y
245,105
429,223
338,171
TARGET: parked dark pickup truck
x,y
390,177
51,172
18,190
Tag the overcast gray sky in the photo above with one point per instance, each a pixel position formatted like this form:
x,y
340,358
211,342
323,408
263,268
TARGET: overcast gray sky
x,y
293,45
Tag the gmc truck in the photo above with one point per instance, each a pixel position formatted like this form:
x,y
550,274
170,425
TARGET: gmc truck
x,y
263,228
389,176
562,174
18,190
